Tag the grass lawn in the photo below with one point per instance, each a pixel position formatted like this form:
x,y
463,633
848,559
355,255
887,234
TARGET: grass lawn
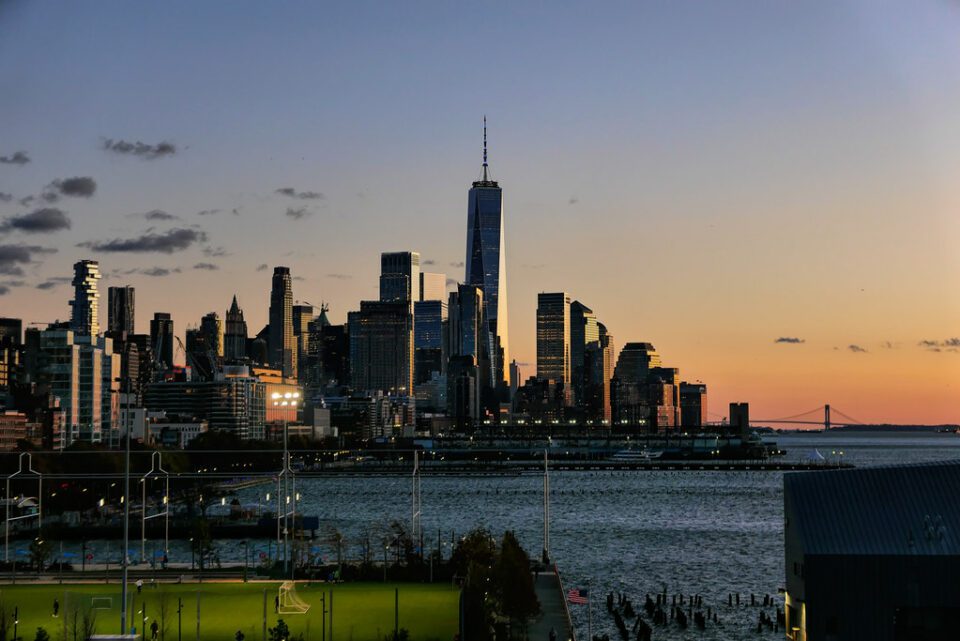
x,y
361,611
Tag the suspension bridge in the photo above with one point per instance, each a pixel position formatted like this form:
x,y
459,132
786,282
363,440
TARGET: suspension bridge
x,y
823,415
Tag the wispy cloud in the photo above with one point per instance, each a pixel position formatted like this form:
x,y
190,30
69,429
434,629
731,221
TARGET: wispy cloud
x,y
460,264
262,267
215,252
429,262
56,281
208,212
573,200
790,340
298,213
154,272
40,221
140,149
340,276
290,192
167,242
947,345
856,349
5,197
206,266
16,158
159,214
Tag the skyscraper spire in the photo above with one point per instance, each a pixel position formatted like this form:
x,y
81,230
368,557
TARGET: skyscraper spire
x,y
485,148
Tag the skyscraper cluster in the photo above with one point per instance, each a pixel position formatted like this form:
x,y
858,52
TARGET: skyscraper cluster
x,y
427,354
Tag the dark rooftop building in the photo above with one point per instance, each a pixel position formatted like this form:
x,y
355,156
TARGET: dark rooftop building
x,y
873,553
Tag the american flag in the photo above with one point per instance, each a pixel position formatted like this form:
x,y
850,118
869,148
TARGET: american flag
x,y
577,596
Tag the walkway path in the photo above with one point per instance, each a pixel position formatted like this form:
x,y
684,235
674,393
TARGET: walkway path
x,y
553,610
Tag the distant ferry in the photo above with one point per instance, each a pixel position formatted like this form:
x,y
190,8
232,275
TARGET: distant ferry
x,y
636,456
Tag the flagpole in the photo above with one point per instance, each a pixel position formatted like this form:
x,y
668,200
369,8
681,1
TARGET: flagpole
x,y
589,612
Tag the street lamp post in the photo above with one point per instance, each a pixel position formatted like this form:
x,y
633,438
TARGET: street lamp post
x,y
126,518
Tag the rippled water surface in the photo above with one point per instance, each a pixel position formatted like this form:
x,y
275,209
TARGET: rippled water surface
x,y
695,532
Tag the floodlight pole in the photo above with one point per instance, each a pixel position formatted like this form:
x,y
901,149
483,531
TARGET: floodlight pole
x,y
126,519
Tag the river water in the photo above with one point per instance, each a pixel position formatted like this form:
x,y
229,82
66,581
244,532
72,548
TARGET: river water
x,y
693,532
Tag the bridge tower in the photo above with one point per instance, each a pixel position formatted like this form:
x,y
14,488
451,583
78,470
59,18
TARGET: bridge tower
x,y
826,417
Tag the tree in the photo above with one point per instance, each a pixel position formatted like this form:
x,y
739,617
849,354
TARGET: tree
x,y
163,614
473,560
89,622
281,632
202,540
40,550
477,546
3,622
513,583
41,635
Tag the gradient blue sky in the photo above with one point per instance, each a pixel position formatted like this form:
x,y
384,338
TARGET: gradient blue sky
x,y
708,177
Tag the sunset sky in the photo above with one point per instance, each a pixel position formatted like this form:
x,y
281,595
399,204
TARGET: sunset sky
x,y
708,177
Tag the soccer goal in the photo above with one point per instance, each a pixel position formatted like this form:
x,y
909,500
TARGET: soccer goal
x,y
101,603
290,601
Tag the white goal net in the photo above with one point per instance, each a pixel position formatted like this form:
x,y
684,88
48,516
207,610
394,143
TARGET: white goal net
x,y
290,601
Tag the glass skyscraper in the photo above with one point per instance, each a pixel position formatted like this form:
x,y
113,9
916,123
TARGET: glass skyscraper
x,y
283,352
120,309
486,265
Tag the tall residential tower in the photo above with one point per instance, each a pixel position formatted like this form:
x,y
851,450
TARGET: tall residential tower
x,y
85,306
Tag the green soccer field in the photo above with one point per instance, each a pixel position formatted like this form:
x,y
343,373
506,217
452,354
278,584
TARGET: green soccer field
x,y
361,611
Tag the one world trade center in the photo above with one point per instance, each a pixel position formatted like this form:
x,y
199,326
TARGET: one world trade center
x,y
486,265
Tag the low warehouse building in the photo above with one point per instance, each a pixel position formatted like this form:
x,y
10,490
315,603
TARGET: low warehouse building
x,y
873,553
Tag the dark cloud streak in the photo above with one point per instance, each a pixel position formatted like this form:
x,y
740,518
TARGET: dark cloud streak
x,y
140,149
16,158
300,195
166,243
41,221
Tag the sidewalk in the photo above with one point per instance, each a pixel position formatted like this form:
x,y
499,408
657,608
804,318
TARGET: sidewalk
x,y
553,612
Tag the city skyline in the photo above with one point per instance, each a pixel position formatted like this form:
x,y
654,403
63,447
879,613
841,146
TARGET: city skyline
x,y
803,262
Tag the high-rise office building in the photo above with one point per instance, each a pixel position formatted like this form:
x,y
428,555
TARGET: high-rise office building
x,y
381,347
553,339
161,338
120,310
584,331
635,362
399,276
235,334
212,329
486,265
11,351
11,330
302,317
597,372
283,350
433,286
85,306
693,404
429,321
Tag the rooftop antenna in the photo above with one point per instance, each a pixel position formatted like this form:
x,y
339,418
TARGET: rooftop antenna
x,y
485,148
